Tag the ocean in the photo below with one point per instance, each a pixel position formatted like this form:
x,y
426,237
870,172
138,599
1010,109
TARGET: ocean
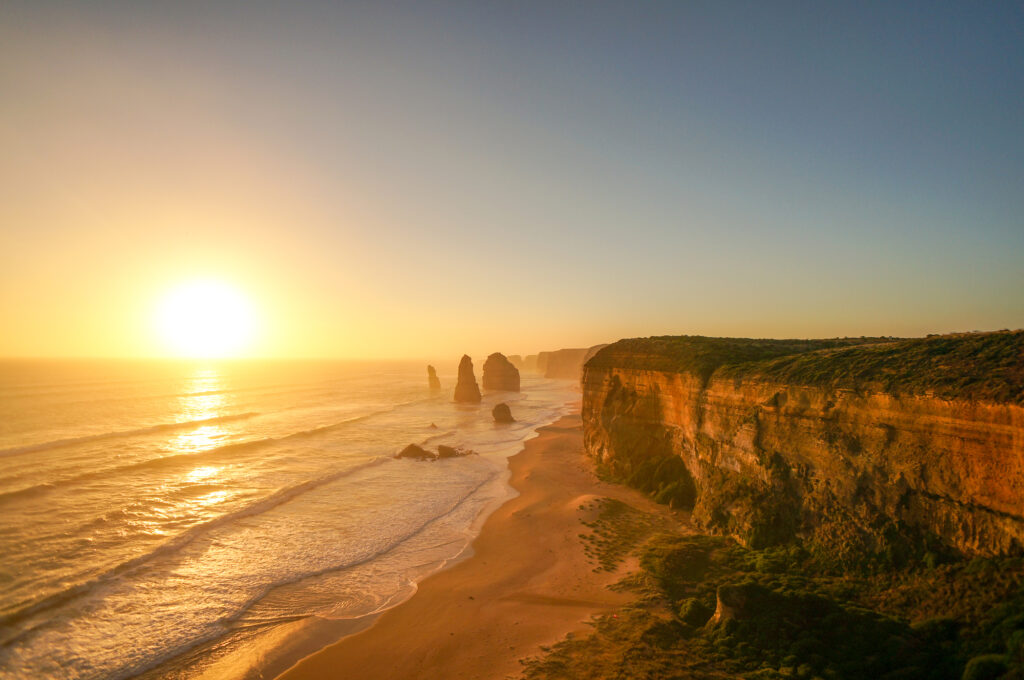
x,y
159,518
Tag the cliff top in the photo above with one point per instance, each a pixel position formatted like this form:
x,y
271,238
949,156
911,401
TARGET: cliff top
x,y
702,356
975,366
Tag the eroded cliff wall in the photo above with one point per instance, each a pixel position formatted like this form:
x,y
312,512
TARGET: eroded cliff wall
x,y
853,467
566,363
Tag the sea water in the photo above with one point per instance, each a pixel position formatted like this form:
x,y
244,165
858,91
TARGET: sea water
x,y
152,509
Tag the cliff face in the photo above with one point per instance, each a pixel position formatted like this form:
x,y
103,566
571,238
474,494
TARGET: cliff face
x,y
851,466
565,363
542,362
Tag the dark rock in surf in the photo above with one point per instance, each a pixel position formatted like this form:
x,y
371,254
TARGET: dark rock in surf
x,y
432,379
452,452
502,414
415,452
466,389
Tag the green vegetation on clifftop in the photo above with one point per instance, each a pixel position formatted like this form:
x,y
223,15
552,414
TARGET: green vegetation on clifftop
x,y
780,617
974,366
701,356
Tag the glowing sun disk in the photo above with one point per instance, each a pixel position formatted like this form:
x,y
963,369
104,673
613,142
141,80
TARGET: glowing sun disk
x,y
205,319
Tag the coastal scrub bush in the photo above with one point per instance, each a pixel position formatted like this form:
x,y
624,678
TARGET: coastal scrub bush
x,y
787,616
674,563
617,531
986,667
694,613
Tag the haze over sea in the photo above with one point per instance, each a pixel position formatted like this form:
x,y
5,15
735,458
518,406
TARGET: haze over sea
x,y
158,515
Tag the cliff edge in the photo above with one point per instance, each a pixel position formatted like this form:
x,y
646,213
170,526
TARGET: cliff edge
x,y
862,446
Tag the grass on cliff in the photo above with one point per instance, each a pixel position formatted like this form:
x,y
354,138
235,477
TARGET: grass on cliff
x,y
962,620
702,356
974,366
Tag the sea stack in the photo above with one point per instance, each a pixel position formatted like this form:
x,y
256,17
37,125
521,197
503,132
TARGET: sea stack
x,y
500,374
466,389
435,382
502,414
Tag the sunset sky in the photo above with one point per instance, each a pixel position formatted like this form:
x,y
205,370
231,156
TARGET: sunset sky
x,y
417,179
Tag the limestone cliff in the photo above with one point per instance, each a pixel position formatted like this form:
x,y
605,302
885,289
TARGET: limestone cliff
x,y
865,446
565,363
542,362
500,374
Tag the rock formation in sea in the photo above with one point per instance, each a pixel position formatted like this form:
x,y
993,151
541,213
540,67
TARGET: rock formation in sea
x,y
417,452
502,414
444,451
529,363
516,361
432,379
860,447
500,374
466,389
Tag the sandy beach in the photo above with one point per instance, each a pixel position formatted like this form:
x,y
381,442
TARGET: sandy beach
x,y
528,583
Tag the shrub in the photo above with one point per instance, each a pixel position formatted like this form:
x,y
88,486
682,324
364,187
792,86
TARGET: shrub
x,y
694,613
985,667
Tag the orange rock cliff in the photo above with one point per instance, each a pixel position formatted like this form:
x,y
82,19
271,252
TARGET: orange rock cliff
x,y
565,363
870,446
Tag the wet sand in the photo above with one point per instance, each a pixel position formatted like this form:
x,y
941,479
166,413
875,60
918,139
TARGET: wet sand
x,y
528,583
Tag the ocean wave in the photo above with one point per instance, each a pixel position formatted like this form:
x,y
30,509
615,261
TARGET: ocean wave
x,y
435,437
174,459
267,390
262,592
162,427
276,499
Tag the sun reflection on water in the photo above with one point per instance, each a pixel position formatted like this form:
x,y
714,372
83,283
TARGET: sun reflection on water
x,y
202,473
212,498
202,400
203,437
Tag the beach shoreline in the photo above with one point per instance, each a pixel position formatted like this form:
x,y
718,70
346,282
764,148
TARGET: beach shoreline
x,y
527,583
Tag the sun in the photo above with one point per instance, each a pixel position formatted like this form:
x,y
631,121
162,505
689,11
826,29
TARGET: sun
x,y
206,318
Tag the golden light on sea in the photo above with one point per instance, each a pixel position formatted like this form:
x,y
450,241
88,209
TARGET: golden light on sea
x,y
206,318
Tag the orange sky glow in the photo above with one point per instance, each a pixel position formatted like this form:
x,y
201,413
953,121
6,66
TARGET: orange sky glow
x,y
384,183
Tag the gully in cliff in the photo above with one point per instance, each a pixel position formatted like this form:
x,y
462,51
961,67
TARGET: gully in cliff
x,y
466,389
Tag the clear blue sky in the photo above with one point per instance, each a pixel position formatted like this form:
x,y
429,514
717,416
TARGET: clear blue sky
x,y
518,175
